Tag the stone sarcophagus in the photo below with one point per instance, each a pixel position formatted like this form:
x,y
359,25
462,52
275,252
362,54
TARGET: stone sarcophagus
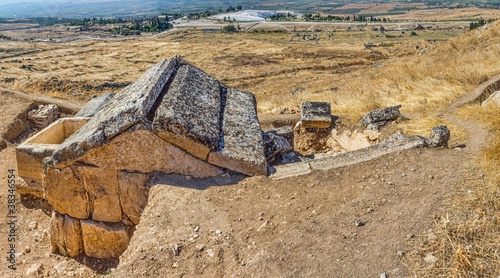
x,y
173,119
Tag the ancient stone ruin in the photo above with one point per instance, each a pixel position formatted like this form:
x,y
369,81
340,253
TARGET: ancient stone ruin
x,y
94,169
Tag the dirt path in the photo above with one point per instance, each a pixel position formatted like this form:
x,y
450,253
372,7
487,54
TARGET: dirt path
x,y
65,105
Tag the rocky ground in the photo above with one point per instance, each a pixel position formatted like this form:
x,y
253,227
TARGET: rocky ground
x,y
349,222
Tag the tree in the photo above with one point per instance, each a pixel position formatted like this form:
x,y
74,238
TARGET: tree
x,y
229,28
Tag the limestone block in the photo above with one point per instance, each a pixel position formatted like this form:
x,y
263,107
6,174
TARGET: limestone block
x,y
65,191
127,108
105,240
439,137
291,170
30,166
189,114
102,186
133,194
493,99
93,106
316,114
143,151
241,148
380,115
65,235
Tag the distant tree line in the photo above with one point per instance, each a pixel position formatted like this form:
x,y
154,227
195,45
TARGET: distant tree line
x,y
42,21
362,18
283,17
209,13
154,24
479,23
94,21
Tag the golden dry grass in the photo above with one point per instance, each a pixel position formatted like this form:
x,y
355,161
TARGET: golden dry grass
x,y
466,239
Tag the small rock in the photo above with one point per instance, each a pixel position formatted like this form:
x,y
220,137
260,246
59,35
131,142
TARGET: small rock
x,y
359,223
408,236
175,265
32,226
27,249
439,136
310,256
34,270
412,169
199,247
196,229
431,177
176,249
383,275
403,174
430,259
218,232
210,252
400,253
62,267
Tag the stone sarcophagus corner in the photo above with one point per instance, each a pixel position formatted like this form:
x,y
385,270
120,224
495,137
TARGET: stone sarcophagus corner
x,y
94,170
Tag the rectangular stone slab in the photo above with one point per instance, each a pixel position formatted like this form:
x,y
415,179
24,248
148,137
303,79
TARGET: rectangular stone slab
x,y
105,240
93,106
241,148
102,186
133,194
316,114
141,150
189,113
65,235
291,170
66,192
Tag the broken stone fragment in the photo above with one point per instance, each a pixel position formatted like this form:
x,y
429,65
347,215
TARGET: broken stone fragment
x,y
274,144
65,235
93,106
283,131
105,240
439,137
316,114
65,191
43,115
241,147
133,194
141,150
189,114
102,186
383,116
494,98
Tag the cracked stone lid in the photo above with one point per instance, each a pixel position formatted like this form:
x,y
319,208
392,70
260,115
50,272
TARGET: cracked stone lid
x,y
183,106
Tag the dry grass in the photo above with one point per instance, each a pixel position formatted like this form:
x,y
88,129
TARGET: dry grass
x,y
466,239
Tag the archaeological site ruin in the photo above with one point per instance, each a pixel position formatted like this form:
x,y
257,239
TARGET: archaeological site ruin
x,y
94,168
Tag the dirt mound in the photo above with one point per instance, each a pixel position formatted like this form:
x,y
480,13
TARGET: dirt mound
x,y
262,227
